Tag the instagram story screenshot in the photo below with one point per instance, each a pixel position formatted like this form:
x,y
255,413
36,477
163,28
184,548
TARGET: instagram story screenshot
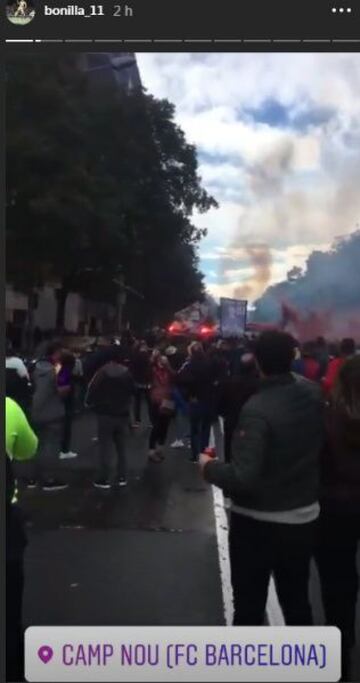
x,y
181,469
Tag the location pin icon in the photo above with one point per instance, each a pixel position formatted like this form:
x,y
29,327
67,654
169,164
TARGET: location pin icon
x,y
45,653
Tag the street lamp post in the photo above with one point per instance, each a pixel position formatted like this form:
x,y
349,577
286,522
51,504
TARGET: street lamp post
x,y
122,290
120,301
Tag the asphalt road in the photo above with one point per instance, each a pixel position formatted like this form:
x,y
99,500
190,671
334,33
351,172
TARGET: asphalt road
x,y
143,555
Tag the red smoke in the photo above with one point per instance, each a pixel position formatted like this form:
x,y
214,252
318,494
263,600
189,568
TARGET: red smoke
x,y
261,260
319,323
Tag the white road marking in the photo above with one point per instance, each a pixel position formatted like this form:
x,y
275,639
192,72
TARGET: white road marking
x,y
273,610
222,532
223,551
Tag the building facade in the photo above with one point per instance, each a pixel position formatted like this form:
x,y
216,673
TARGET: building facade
x,y
117,69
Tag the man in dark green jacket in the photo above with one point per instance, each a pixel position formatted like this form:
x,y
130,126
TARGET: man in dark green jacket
x,y
273,483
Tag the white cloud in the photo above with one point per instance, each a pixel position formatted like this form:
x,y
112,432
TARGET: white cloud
x,y
221,223
221,174
220,132
211,255
293,188
207,81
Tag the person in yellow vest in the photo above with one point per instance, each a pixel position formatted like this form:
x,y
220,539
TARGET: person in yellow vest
x,y
21,444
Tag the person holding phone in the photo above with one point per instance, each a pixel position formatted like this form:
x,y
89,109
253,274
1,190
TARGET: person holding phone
x,y
272,479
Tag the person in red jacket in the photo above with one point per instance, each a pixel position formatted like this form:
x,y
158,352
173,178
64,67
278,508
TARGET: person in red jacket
x,y
347,349
339,532
162,407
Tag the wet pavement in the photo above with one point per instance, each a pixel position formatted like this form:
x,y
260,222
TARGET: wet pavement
x,y
145,554
142,555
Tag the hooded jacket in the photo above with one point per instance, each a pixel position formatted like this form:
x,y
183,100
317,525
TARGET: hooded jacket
x,y
47,405
111,391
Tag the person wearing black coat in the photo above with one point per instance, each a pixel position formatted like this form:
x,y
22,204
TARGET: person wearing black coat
x,y
198,381
235,390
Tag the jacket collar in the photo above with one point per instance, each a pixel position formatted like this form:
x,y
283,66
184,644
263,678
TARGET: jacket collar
x,y
277,380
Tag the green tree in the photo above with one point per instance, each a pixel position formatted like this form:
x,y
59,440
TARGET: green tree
x,y
97,181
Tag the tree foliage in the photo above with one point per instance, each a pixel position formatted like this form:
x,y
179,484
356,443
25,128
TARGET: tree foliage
x,y
99,181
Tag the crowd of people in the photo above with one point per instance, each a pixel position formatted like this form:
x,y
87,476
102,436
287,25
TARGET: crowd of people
x,y
291,465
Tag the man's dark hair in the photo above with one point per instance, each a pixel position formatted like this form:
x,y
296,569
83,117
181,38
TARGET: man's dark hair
x,y
274,352
51,348
67,359
116,354
321,342
347,347
309,349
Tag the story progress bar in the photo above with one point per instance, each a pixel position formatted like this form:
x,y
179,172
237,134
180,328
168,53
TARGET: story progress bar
x,y
225,41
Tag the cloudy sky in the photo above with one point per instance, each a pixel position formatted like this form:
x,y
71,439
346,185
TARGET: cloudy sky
x,y
278,139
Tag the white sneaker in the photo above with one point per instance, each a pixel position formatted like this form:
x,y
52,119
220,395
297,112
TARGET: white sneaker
x,y
68,456
178,443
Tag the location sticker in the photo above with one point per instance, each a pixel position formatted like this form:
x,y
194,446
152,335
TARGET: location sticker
x,y
45,653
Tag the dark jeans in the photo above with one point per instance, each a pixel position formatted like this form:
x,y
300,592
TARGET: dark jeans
x,y
112,431
67,424
201,418
336,560
141,394
46,462
259,549
160,427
